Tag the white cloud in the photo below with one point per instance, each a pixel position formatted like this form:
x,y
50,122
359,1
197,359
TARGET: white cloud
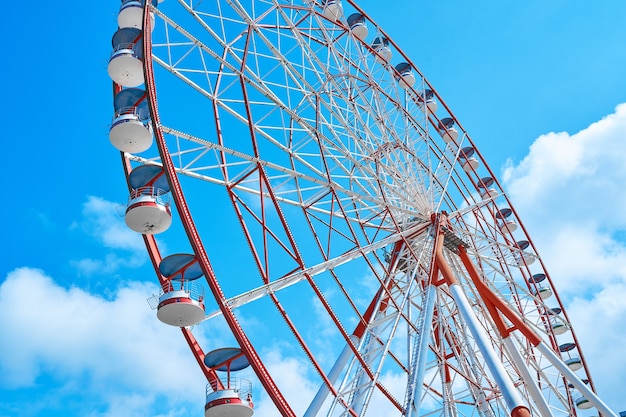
x,y
570,194
599,325
574,177
104,221
297,389
115,350
395,384
581,257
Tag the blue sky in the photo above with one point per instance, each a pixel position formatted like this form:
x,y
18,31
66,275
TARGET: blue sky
x,y
539,86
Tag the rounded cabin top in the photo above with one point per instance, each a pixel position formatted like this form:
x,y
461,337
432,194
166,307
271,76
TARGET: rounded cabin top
x,y
446,123
403,67
467,152
381,41
180,266
226,359
132,97
126,63
148,176
554,311
405,75
127,35
357,25
356,19
129,97
566,347
485,182
383,53
537,278
504,213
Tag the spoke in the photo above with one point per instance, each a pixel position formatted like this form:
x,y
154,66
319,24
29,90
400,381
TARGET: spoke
x,y
312,271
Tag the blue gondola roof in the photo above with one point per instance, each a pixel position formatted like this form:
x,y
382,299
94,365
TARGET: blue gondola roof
x,y
125,35
219,359
148,175
132,97
179,266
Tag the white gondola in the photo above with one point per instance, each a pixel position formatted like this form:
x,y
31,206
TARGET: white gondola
x,y
178,308
226,403
234,397
526,258
467,160
131,130
583,403
129,133
470,165
131,15
573,360
505,223
427,102
181,302
382,50
405,77
447,131
126,64
559,326
332,9
489,193
579,399
148,210
542,292
539,289
529,259
507,226
485,188
574,363
125,67
357,25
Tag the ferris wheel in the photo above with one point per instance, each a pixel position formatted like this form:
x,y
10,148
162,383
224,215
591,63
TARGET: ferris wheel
x,y
334,210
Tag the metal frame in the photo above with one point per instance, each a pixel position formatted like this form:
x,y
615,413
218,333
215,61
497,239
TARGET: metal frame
x,y
325,160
